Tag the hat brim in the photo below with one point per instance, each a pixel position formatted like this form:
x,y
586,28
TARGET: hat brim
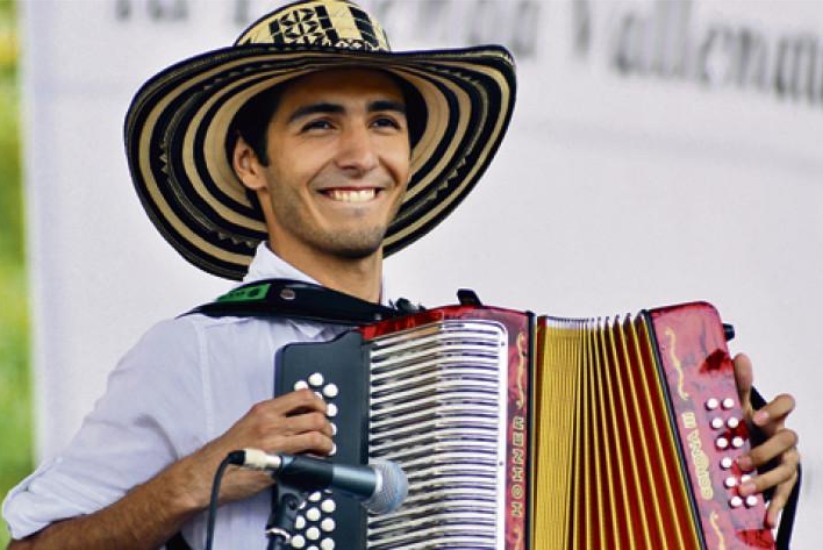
x,y
177,127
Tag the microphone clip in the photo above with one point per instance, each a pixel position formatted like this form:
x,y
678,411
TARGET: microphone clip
x,y
286,502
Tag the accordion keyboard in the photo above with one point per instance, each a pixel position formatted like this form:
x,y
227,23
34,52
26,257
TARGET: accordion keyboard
x,y
437,408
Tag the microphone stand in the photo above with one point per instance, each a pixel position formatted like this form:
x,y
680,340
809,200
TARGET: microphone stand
x,y
286,500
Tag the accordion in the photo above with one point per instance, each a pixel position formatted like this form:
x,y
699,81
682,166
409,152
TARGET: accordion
x,y
524,432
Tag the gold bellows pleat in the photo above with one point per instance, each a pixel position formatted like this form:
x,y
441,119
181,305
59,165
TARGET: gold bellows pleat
x,y
606,472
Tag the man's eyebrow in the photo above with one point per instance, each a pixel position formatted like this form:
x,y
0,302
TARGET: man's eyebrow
x,y
387,105
334,108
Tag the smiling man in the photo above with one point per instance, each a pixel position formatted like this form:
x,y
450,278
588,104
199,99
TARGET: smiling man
x,y
337,163
308,151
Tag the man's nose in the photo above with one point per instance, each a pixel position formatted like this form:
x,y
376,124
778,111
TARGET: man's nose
x,y
357,150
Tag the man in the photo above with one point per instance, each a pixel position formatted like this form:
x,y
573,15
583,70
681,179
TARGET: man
x,y
308,151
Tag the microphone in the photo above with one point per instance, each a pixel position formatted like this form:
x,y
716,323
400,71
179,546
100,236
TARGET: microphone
x,y
381,486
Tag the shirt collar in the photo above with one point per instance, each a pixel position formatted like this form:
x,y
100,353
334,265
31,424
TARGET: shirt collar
x,y
268,265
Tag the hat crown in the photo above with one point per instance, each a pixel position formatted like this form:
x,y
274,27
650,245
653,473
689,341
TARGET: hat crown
x,y
336,24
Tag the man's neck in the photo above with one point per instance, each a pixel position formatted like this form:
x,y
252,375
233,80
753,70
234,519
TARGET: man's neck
x,y
361,278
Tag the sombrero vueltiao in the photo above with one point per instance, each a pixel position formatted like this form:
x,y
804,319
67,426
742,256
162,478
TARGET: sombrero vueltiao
x,y
177,126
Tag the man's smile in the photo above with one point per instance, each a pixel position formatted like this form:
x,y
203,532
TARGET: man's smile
x,y
351,195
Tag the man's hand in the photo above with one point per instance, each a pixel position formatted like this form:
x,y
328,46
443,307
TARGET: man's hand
x,y
292,423
780,444
148,515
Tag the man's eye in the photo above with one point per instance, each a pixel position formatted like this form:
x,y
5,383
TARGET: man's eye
x,y
386,122
320,124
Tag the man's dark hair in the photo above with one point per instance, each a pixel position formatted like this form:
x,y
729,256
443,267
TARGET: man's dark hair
x,y
252,120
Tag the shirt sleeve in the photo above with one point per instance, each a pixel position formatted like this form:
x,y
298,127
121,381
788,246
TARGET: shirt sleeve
x,y
146,420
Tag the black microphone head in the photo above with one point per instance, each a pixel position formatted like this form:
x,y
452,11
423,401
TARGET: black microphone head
x,y
391,490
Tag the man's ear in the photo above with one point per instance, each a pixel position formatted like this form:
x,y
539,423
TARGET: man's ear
x,y
247,166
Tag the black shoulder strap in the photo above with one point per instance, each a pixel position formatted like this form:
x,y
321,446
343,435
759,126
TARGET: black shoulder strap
x,y
299,300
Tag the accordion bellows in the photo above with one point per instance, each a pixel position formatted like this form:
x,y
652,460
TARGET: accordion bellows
x,y
524,432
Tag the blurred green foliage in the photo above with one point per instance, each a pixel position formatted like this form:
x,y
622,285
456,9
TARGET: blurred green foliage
x,y
15,395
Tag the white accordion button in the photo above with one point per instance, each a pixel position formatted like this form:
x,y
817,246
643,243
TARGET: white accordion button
x,y
732,422
300,385
728,403
327,544
736,502
300,523
737,442
315,496
730,482
328,506
333,428
722,443
313,533
751,500
712,403
726,462
331,391
313,514
333,449
327,525
717,423
316,379
298,541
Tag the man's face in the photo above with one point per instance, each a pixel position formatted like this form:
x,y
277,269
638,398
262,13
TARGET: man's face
x,y
339,163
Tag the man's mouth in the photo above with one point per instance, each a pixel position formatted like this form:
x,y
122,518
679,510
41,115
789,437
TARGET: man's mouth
x,y
351,195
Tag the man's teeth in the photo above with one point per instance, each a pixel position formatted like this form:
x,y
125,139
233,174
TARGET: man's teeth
x,y
359,195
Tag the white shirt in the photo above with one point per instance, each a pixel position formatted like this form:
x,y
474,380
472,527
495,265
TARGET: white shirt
x,y
185,383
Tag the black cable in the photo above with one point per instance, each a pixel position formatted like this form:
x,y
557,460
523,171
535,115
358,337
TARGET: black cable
x,y
234,457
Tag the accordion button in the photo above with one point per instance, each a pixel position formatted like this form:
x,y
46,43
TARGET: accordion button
x,y
730,482
726,462
333,449
737,442
736,502
328,506
300,385
331,410
316,379
327,525
745,478
327,544
298,541
712,403
717,423
313,514
333,428
313,533
331,391
732,422
315,496
751,500
300,523
728,403
722,443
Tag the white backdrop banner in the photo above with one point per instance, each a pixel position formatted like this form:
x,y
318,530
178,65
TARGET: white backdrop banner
x,y
660,152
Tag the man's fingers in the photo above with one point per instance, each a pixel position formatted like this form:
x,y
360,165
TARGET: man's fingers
x,y
744,377
309,442
781,473
308,422
296,402
779,500
774,413
784,441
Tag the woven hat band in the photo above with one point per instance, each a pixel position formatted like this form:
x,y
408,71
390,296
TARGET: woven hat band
x,y
319,24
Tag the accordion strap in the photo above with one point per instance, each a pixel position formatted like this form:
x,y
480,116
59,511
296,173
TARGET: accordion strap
x,y
300,300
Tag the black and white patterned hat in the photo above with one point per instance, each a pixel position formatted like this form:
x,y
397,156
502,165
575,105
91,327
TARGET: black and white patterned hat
x,y
177,126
